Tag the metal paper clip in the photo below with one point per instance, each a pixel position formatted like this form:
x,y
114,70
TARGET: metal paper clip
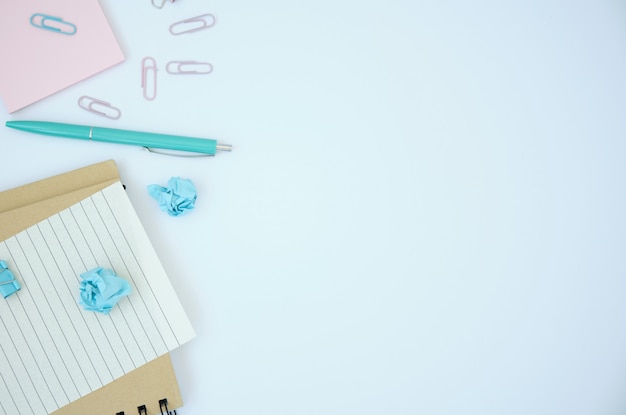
x,y
188,68
160,6
40,20
106,109
204,24
149,68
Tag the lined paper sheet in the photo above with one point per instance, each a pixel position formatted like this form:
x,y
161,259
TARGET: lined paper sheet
x,y
53,352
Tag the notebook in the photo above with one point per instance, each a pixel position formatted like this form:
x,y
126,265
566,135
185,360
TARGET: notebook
x,y
36,62
35,364
152,386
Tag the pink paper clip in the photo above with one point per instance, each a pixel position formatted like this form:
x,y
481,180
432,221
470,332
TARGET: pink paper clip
x,y
149,69
192,24
188,68
99,107
160,6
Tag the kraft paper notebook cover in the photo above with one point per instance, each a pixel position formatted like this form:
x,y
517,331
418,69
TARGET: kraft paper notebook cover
x,y
25,206
37,62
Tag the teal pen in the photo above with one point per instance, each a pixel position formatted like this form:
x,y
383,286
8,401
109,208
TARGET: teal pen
x,y
111,135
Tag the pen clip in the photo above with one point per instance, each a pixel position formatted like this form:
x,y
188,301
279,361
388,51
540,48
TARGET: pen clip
x,y
205,24
173,153
91,104
40,20
149,69
184,153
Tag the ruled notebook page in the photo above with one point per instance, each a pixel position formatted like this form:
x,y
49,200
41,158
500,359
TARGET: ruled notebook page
x,y
53,352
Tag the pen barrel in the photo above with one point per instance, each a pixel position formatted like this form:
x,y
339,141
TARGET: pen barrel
x,y
111,135
153,140
80,132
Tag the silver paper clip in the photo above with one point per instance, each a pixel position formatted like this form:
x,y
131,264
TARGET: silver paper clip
x,y
149,69
160,6
40,20
188,68
99,107
192,24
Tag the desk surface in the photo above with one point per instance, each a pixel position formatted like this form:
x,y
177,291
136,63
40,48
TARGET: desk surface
x,y
423,211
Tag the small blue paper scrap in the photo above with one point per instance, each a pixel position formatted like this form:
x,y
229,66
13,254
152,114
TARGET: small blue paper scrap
x,y
101,289
177,198
8,283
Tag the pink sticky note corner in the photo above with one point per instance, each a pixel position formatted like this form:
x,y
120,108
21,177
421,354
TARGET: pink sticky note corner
x,y
37,63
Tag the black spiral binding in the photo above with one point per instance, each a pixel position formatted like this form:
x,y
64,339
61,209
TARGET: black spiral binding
x,y
162,406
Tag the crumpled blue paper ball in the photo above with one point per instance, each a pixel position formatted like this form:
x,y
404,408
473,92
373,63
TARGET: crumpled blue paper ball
x,y
101,289
178,197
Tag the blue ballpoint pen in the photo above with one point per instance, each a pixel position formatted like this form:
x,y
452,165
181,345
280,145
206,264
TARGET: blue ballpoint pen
x,y
110,135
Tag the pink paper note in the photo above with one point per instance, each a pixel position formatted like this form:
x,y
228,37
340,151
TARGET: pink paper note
x,y
35,63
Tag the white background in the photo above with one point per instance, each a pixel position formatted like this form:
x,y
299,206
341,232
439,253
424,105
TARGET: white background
x,y
424,211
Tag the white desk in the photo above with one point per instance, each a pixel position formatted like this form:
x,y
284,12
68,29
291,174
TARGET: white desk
x,y
424,211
